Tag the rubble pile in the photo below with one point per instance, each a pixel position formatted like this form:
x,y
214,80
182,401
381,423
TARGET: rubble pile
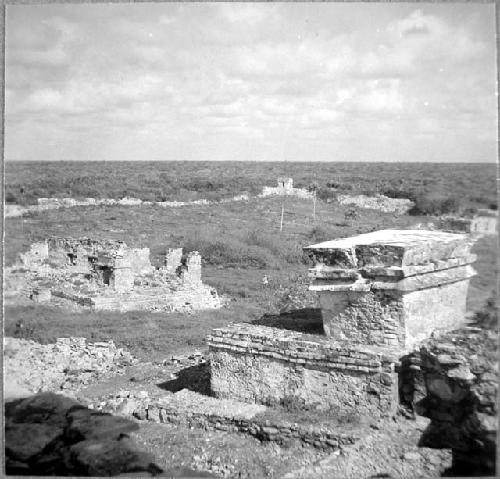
x,y
460,372
382,203
67,365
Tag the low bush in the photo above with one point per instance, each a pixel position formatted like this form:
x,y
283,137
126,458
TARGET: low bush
x,y
326,194
435,206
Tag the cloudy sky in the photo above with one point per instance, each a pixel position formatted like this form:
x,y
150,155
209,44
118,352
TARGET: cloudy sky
x,y
246,81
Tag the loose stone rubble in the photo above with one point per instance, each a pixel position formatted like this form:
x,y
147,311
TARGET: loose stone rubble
x,y
484,222
284,188
44,204
108,275
381,294
460,372
382,203
67,365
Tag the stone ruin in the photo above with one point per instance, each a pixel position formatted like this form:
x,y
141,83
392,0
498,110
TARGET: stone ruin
x,y
484,222
108,275
285,187
381,294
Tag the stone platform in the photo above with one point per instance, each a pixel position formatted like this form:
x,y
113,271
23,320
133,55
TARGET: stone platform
x,y
381,294
258,364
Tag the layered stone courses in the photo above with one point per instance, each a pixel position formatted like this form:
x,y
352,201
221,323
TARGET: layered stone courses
x,y
268,365
381,294
392,287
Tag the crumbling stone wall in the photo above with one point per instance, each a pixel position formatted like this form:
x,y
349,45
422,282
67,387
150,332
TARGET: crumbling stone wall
x,y
269,366
196,410
107,275
285,187
190,269
38,253
173,260
460,372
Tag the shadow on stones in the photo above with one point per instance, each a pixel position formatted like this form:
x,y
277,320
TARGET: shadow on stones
x,y
195,378
306,320
51,435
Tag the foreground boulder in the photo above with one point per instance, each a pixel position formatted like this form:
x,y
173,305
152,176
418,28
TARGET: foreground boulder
x,y
49,434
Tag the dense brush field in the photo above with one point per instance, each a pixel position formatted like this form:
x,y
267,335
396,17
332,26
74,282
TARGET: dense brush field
x,y
240,243
436,188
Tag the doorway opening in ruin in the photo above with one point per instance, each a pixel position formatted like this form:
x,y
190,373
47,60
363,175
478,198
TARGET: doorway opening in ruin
x,y
105,274
72,259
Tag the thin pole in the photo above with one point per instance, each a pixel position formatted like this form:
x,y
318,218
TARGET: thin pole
x,y
314,206
282,214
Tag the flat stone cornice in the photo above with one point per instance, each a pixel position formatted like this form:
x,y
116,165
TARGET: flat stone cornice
x,y
392,249
408,284
321,271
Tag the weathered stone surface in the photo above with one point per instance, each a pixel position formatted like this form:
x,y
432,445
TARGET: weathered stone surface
x,y
67,365
267,365
108,275
285,188
461,380
392,287
390,248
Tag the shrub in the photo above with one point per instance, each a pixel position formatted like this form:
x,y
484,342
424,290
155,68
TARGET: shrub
x,y
487,317
10,198
318,233
435,206
326,194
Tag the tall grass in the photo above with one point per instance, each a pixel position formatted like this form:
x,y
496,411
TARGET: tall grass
x,y
246,248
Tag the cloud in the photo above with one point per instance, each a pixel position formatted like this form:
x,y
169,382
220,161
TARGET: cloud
x,y
252,70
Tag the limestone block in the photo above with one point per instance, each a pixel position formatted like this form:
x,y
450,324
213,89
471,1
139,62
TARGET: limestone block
x,y
392,287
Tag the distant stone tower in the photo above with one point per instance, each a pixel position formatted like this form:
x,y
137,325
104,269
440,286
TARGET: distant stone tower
x,y
285,184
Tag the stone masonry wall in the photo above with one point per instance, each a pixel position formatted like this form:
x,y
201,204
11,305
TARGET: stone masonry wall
x,y
173,259
434,309
384,317
366,318
270,366
190,271
460,371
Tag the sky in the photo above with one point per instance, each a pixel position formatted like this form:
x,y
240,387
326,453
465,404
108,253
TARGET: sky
x,y
251,81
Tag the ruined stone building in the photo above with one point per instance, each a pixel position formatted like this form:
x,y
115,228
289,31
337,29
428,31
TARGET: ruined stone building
x,y
381,294
108,275
285,187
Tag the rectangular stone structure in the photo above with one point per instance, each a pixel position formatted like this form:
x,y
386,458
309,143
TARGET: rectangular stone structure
x,y
259,364
392,287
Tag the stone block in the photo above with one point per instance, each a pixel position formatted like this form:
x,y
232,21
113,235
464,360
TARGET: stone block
x,y
392,287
